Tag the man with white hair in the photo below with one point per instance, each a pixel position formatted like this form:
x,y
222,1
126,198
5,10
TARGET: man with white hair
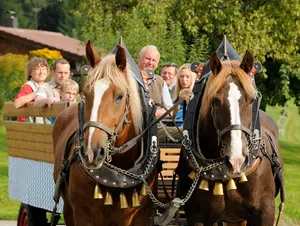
x,y
148,59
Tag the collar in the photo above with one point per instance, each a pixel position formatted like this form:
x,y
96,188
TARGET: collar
x,y
34,82
53,84
170,87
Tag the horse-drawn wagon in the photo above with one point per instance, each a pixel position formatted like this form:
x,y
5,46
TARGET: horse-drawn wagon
x,y
106,149
30,160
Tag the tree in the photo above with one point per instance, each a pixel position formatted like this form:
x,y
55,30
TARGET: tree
x,y
12,77
56,17
269,29
139,24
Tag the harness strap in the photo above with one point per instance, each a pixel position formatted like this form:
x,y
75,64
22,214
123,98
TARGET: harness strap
x,y
61,180
168,134
255,112
80,122
278,173
99,126
234,127
128,145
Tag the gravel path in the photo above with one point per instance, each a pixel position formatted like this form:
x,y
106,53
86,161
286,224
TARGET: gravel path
x,y
8,223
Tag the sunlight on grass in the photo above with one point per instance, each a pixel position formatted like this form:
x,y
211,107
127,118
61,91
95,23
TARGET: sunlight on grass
x,y
8,208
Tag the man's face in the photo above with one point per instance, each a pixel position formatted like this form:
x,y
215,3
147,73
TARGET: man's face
x,y
149,59
61,73
168,74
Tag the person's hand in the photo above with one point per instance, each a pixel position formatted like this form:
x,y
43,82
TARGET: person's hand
x,y
31,96
186,94
50,101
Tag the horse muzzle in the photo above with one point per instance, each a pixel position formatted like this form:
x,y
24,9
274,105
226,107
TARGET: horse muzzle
x,y
93,158
236,164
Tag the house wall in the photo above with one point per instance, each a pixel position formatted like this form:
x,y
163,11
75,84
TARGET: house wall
x,y
11,44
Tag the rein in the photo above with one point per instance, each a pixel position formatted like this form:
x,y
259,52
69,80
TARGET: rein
x,y
113,133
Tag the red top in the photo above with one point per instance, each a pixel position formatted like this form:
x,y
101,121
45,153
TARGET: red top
x,y
25,90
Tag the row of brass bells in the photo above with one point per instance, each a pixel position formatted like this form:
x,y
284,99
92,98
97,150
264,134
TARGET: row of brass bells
x,y
123,201
218,188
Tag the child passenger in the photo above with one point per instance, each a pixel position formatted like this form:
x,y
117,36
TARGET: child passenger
x,y
68,92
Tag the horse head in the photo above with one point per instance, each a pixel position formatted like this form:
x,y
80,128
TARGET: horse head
x,y
228,101
111,95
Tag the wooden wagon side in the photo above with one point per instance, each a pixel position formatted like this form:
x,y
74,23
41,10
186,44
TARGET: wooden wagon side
x,y
30,155
30,140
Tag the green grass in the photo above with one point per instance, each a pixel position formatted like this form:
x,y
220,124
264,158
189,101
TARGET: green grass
x,y
291,158
8,208
290,150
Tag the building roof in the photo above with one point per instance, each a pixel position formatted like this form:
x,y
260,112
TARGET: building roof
x,y
54,40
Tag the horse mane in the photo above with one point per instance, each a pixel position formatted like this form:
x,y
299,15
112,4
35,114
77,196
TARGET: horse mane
x,y
107,69
215,83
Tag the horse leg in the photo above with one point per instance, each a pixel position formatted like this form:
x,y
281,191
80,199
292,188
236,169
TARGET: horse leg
x,y
68,211
68,215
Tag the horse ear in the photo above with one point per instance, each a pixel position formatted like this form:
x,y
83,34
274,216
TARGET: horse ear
x,y
91,55
248,62
121,58
215,63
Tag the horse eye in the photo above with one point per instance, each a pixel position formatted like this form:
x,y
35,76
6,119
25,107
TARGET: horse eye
x,y
215,102
251,101
119,98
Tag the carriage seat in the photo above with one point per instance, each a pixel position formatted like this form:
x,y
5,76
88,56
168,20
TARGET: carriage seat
x,y
168,133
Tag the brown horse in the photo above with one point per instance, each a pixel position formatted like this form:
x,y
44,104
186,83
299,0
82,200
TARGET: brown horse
x,y
230,152
112,115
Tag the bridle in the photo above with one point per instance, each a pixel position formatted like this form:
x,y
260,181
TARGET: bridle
x,y
111,133
252,135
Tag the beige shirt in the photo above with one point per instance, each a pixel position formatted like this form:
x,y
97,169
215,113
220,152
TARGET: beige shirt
x,y
48,89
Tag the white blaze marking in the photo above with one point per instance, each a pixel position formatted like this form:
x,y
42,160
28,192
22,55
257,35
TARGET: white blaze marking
x,y
234,95
99,89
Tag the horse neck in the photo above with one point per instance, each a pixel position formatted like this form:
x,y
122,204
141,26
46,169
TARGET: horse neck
x,y
126,160
208,138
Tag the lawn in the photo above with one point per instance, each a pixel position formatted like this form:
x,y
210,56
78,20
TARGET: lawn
x,y
8,208
290,148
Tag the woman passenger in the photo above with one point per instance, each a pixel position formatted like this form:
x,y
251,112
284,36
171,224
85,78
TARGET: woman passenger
x,y
37,70
185,80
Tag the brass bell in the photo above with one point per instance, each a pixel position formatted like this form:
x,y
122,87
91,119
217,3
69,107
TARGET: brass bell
x,y
97,193
243,178
218,189
135,199
123,201
143,190
231,185
204,185
192,175
108,199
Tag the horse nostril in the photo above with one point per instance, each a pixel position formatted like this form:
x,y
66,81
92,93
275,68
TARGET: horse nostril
x,y
101,151
227,162
246,160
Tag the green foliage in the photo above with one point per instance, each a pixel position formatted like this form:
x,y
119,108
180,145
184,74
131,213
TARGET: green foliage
x,y
184,31
56,17
268,29
12,76
26,11
199,49
139,24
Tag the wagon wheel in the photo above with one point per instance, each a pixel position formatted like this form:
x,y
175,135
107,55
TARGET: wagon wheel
x,y
22,217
